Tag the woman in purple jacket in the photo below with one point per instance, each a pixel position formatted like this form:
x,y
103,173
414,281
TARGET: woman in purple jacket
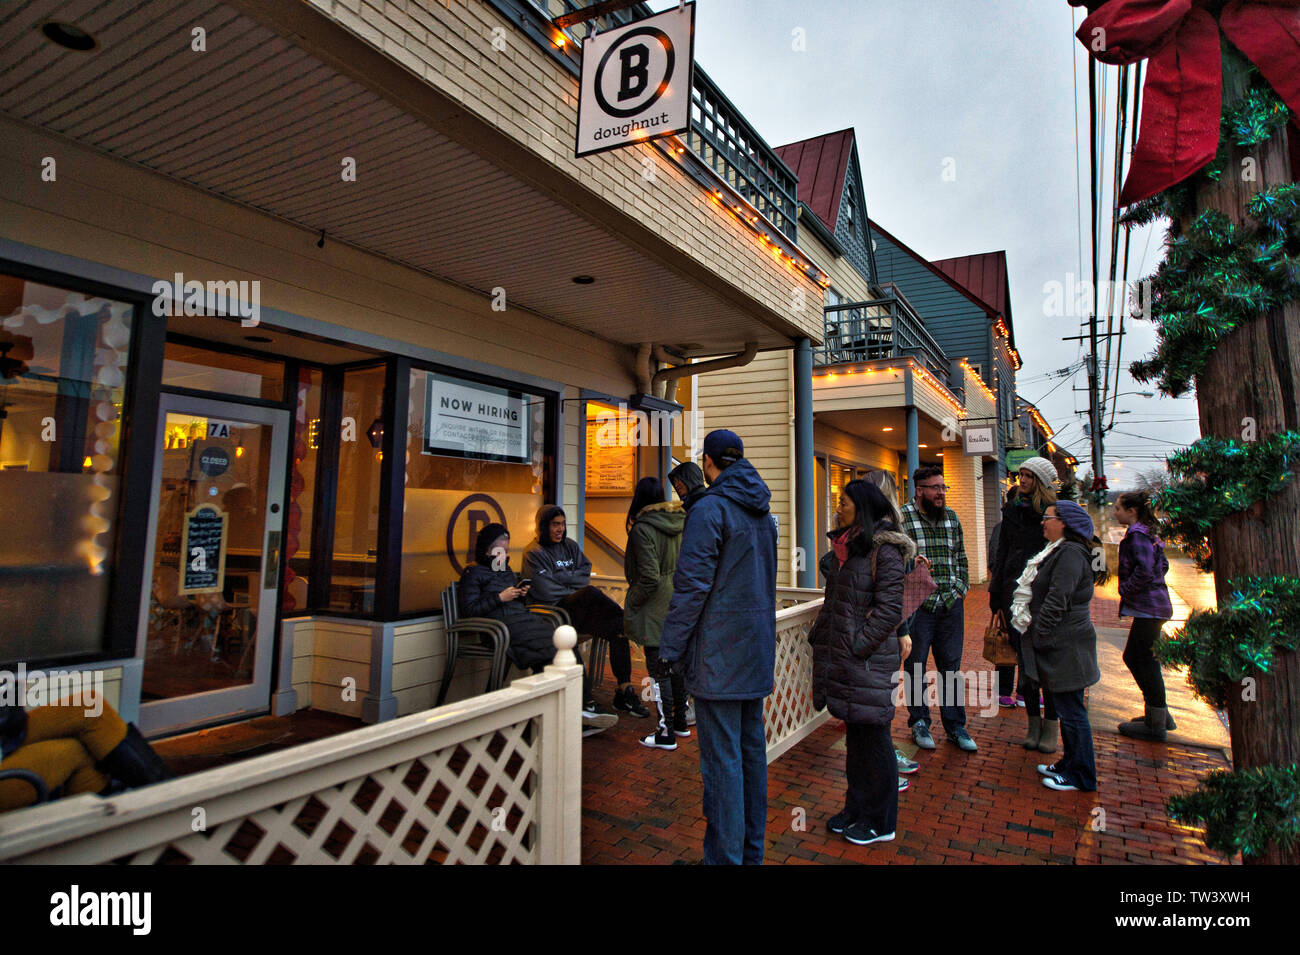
x,y
1144,597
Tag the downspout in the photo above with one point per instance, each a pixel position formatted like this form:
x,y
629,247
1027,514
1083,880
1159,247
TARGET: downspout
x,y
644,370
700,368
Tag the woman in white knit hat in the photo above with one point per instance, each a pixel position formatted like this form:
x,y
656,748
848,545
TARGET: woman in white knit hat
x,y
1020,538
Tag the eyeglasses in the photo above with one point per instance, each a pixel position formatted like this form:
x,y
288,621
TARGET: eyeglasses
x,y
1051,517
932,487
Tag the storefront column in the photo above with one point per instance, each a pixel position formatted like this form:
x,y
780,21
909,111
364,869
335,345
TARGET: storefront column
x,y
805,488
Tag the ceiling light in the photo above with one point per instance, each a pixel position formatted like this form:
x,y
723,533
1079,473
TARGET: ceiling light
x,y
922,445
68,36
886,429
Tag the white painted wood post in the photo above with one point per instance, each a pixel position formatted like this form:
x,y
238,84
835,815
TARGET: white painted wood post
x,y
559,815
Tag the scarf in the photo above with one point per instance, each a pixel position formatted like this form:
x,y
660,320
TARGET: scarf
x,y
840,543
1020,617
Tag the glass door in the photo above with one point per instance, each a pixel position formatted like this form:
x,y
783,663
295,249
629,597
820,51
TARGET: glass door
x,y
213,553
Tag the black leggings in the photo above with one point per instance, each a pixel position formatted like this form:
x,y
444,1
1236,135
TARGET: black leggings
x,y
594,613
1141,661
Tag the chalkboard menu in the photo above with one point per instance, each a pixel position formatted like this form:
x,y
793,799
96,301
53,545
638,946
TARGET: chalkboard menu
x,y
203,551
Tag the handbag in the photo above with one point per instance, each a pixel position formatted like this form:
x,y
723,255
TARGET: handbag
x,y
997,643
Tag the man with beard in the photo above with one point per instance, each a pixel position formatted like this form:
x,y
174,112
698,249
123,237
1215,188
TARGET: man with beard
x,y
939,624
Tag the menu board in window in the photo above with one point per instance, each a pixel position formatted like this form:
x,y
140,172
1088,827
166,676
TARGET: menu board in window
x,y
611,465
469,420
203,551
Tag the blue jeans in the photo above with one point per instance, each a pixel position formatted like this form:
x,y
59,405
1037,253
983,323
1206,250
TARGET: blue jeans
x,y
1078,765
733,764
942,631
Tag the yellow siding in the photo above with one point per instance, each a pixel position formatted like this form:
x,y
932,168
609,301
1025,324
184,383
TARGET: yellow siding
x,y
757,403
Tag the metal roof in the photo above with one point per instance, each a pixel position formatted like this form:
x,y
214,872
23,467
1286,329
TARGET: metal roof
x,y
821,164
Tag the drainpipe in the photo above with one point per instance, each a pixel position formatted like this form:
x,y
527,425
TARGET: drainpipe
x,y
644,371
701,367
805,520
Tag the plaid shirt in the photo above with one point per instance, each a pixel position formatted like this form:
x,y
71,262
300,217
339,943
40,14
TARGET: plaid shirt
x,y
940,542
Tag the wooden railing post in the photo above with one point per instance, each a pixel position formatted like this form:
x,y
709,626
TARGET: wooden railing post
x,y
559,811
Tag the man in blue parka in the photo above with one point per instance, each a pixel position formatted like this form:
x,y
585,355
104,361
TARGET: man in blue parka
x,y
721,628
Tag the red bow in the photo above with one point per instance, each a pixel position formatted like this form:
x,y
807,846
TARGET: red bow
x,y
1182,98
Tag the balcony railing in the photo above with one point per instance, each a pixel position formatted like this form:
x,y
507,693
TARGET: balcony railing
x,y
719,135
879,329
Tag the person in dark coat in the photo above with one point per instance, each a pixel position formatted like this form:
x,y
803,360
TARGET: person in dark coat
x,y
856,655
654,539
1144,597
688,481
1020,537
1051,607
489,588
561,576
721,625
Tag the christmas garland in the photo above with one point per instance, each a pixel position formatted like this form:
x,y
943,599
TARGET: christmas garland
x,y
1216,277
1246,811
1220,648
1219,477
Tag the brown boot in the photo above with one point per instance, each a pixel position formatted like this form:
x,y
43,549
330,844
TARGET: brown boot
x,y
1170,725
1035,731
1151,726
1050,737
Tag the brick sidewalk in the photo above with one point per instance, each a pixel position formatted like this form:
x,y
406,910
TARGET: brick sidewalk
x,y
644,806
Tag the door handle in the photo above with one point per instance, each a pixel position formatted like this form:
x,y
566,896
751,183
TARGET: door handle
x,y
272,560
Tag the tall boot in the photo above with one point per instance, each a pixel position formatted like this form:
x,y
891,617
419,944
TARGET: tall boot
x,y
1035,730
1051,736
134,763
1151,726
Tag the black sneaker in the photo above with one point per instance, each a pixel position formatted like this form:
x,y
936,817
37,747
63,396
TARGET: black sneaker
x,y
839,822
861,835
660,741
626,700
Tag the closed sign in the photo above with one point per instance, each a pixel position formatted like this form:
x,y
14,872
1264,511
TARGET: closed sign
x,y
636,81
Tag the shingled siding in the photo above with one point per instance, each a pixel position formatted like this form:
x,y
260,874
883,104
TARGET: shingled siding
x,y
959,325
854,239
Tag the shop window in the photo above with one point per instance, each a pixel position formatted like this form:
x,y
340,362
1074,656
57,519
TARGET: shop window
x,y
475,454
229,374
302,491
356,509
63,365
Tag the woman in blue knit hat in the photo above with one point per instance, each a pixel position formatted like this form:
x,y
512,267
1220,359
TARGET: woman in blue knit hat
x,y
1051,607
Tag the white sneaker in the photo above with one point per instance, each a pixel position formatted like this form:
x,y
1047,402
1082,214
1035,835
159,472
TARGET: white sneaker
x,y
598,723
690,712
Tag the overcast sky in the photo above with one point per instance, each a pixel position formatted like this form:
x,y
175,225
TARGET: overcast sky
x,y
988,84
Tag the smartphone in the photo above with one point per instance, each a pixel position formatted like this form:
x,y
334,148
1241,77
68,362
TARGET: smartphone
x,y
526,582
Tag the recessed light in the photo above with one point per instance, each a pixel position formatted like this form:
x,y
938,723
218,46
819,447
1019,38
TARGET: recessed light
x,y
68,36
584,279
922,445
886,429
259,339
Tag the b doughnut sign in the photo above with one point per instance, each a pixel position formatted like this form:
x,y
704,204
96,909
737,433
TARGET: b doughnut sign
x,y
636,81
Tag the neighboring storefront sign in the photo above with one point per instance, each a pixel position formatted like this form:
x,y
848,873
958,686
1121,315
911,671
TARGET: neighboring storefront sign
x,y
203,551
611,466
1016,458
979,439
469,420
636,81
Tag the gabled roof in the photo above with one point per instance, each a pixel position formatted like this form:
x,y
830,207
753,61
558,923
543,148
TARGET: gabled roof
x,y
984,306
985,274
821,163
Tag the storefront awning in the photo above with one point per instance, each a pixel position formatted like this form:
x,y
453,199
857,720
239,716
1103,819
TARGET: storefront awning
x,y
268,114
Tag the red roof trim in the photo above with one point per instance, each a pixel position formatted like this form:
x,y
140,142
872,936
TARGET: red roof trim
x,y
988,309
821,163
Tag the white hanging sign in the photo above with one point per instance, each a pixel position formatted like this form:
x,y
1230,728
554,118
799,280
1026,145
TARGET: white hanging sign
x,y
636,81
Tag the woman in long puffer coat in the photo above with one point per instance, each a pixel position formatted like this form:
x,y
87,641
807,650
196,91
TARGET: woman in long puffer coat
x,y
492,591
856,655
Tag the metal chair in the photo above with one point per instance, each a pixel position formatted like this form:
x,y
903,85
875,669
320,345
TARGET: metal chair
x,y
489,640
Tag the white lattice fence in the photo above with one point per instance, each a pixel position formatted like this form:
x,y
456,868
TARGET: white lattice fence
x,y
789,712
496,779
614,587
